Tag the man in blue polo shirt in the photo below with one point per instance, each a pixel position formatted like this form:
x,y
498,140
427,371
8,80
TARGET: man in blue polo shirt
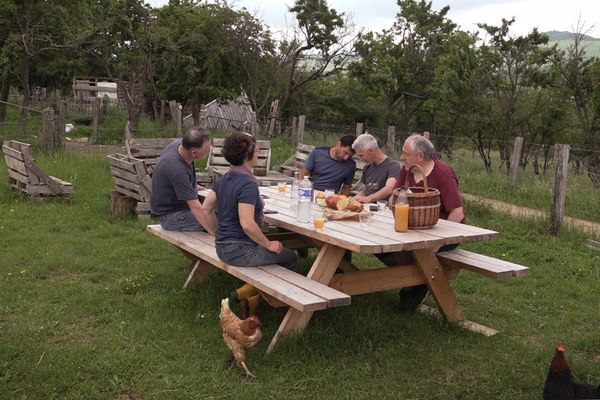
x,y
331,167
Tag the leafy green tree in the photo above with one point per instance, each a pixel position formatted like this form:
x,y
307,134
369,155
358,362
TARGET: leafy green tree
x,y
581,77
399,64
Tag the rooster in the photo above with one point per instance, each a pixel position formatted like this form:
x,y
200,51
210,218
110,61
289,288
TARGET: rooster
x,y
560,384
239,335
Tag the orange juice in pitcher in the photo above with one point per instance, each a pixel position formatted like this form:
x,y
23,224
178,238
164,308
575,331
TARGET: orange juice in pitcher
x,y
401,213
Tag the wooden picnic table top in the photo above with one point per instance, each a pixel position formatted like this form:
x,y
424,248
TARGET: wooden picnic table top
x,y
380,236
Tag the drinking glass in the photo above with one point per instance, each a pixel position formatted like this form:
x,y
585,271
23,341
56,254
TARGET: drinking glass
x,y
365,220
319,221
381,206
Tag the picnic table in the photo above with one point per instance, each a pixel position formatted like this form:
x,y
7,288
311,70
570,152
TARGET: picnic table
x,y
325,287
431,268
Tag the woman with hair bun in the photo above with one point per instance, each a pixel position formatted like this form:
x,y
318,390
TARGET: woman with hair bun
x,y
239,239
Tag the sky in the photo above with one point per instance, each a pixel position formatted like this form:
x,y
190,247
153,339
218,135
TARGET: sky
x,y
375,15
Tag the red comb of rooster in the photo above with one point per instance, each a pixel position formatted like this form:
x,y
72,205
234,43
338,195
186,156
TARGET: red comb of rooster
x,y
560,348
254,318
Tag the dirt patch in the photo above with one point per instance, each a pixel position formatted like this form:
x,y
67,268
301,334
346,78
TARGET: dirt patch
x,y
86,148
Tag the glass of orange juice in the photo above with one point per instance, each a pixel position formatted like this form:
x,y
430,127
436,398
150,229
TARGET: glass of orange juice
x,y
319,221
281,187
401,217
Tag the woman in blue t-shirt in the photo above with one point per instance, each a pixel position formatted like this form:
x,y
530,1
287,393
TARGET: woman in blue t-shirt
x,y
239,239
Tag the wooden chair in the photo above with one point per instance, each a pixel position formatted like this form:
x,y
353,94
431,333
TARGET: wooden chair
x,y
217,164
133,185
25,175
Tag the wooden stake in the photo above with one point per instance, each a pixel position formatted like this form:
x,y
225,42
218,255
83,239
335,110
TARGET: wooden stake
x,y
557,212
515,160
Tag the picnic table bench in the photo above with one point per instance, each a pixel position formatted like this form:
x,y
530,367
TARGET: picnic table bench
x,y
279,285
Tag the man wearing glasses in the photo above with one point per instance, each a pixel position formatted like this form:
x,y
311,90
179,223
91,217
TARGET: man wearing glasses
x,y
174,197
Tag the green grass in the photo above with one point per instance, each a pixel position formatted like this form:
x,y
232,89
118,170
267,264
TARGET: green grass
x,y
92,307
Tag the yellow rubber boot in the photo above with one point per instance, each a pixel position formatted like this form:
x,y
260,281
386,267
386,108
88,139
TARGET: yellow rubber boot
x,y
245,292
253,303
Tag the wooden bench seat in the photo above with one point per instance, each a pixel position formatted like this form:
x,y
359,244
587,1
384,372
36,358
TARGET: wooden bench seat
x,y
133,185
482,264
289,287
25,175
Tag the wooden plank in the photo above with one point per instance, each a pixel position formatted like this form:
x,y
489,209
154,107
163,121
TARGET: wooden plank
x,y
592,244
486,265
16,165
202,246
122,162
14,153
466,324
44,177
377,280
334,297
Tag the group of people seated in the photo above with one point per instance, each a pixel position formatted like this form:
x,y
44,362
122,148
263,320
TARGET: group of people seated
x,y
239,239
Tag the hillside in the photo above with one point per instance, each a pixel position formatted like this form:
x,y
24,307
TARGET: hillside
x,y
565,39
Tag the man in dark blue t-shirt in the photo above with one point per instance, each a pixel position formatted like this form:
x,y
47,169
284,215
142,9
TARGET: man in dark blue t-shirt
x,y
331,167
174,197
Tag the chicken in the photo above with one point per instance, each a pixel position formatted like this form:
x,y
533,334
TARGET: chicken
x,y
560,384
239,335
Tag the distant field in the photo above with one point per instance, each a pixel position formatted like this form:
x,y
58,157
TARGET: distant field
x,y
592,50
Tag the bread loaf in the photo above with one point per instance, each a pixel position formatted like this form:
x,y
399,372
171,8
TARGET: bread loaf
x,y
354,205
337,202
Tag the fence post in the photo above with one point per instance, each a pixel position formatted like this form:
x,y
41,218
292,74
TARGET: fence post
x,y
359,129
173,108
48,130
557,212
61,123
179,119
301,122
95,119
515,160
253,124
203,118
391,140
295,130
272,117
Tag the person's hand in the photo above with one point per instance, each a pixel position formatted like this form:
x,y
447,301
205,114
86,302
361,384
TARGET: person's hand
x,y
361,198
275,246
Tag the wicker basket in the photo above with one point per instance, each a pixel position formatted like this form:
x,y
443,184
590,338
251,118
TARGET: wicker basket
x,y
423,202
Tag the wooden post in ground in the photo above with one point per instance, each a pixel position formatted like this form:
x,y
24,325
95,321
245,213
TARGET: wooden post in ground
x,y
426,134
179,120
252,123
95,120
295,131
301,122
48,130
61,123
559,193
162,112
391,140
359,129
515,160
173,109
273,117
203,118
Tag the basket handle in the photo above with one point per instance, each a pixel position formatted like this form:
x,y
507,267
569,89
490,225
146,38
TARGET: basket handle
x,y
417,166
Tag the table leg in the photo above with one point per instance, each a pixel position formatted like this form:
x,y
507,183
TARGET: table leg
x,y
438,283
200,271
322,271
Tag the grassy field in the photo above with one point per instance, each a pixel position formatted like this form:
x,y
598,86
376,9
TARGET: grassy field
x,y
93,307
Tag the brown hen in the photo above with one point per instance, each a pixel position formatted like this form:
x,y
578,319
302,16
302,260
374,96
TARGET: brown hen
x,y
239,335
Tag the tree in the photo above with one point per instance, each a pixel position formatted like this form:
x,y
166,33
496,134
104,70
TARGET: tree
x,y
321,46
400,63
582,78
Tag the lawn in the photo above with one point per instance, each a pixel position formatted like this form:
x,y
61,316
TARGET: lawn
x,y
93,307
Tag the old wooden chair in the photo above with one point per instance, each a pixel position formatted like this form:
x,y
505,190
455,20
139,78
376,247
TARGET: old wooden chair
x,y
25,175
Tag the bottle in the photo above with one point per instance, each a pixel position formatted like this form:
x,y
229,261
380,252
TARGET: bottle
x,y
401,212
305,192
294,192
